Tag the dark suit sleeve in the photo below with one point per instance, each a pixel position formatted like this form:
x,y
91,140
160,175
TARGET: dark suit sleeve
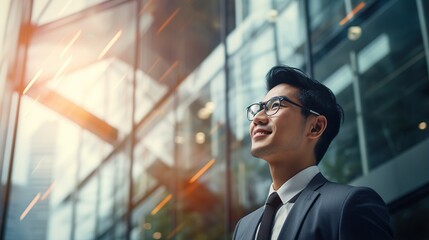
x,y
365,216
234,237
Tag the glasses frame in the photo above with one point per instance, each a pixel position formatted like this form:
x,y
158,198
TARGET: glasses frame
x,y
263,106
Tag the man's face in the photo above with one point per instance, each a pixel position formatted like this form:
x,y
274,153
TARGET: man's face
x,y
283,135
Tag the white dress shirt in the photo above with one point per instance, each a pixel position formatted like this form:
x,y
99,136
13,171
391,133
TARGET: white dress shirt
x,y
286,192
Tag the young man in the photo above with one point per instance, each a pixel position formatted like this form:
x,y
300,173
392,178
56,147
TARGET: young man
x,y
291,130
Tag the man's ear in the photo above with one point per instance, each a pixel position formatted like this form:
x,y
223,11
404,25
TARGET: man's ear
x,y
318,127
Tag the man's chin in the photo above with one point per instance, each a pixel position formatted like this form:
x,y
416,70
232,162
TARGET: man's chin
x,y
258,152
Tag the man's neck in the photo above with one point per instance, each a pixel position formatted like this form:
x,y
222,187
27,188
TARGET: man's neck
x,y
281,173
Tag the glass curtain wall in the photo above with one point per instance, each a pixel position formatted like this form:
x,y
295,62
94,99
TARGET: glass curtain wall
x,y
374,58
121,128
9,33
365,70
125,119
75,109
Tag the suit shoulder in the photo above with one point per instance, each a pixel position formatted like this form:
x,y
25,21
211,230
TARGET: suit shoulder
x,y
346,190
337,196
247,225
255,214
365,208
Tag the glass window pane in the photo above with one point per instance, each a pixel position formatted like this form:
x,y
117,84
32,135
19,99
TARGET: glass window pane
x,y
411,222
45,11
106,203
180,151
4,11
290,35
342,161
33,173
326,16
385,72
60,224
86,215
88,63
392,83
75,109
250,176
201,157
176,37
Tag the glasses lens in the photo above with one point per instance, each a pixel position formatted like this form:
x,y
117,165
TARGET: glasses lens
x,y
273,106
252,110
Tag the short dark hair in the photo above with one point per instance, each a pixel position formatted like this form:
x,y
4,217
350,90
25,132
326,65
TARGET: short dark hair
x,y
312,95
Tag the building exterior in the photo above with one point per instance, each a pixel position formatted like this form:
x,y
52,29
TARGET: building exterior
x,y
148,101
40,157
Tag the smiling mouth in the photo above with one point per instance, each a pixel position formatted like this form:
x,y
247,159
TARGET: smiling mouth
x,y
261,133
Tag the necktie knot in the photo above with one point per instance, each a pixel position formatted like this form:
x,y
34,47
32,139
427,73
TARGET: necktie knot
x,y
274,200
271,206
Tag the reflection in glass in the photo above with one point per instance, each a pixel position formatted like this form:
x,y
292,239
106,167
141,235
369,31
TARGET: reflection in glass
x,y
411,222
382,65
291,38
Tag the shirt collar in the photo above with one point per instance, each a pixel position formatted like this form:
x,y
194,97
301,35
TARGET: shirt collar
x,y
295,184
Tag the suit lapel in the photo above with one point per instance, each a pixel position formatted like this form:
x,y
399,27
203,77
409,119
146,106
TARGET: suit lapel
x,y
250,222
302,205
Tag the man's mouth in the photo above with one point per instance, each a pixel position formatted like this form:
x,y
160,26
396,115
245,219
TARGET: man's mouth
x,y
261,132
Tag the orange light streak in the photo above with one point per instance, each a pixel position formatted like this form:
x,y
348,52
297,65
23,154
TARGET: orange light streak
x,y
48,191
33,80
154,65
168,71
64,8
202,171
70,43
161,204
120,81
37,167
62,68
215,128
146,6
110,44
164,25
352,13
175,231
31,107
30,206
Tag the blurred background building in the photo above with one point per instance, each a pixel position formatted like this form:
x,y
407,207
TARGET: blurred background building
x,y
125,119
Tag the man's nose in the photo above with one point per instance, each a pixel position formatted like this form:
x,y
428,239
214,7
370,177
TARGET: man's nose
x,y
260,118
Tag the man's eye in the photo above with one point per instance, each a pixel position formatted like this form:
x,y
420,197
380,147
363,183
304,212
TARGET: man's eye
x,y
255,109
275,105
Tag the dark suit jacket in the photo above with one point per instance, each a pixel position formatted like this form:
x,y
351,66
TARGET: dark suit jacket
x,y
327,210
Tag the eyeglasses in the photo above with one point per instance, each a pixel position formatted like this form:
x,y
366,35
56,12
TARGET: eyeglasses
x,y
272,106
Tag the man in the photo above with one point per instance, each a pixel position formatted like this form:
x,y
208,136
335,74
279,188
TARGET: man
x,y
291,130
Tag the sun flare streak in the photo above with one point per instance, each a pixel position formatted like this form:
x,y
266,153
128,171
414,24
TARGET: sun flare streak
x,y
351,14
31,107
33,80
61,70
110,44
161,204
30,206
70,43
64,8
49,190
202,171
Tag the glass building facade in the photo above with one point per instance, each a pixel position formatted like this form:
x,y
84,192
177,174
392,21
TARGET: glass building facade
x,y
125,119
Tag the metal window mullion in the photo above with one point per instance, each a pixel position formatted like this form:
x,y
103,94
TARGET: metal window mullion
x,y
359,114
423,28
228,169
308,44
21,64
136,64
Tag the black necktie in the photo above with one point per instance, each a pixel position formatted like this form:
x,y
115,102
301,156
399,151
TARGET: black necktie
x,y
273,204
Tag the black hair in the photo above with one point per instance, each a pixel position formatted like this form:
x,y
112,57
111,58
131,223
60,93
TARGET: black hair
x,y
312,95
